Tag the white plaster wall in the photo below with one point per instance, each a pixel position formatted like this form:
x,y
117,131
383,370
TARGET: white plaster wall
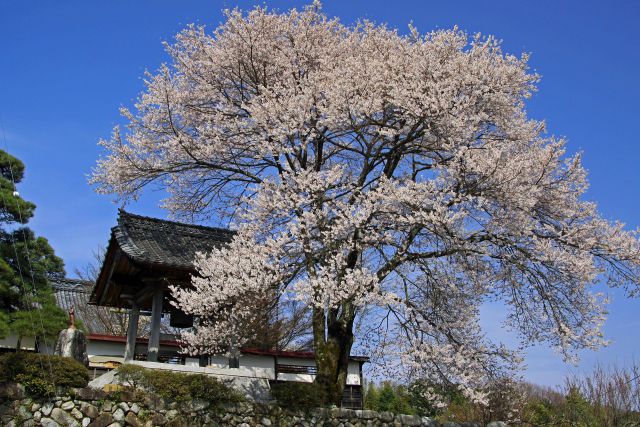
x,y
263,366
116,348
251,365
11,341
242,371
219,372
246,360
353,373
218,362
257,361
105,348
301,378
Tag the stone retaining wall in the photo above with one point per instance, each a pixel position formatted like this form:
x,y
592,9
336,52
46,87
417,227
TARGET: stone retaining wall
x,y
95,408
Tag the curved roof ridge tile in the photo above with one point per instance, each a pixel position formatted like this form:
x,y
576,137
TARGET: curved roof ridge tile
x,y
124,241
76,285
163,242
193,227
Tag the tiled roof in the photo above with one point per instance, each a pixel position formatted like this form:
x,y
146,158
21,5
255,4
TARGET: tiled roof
x,y
71,292
100,321
75,293
173,244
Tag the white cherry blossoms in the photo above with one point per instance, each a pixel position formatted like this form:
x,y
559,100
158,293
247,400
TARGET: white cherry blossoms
x,y
392,183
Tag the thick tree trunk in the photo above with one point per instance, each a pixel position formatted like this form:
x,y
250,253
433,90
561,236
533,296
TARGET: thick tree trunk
x,y
332,345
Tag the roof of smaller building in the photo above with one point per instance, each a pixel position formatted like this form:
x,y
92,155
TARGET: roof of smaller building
x,y
75,293
98,321
73,285
168,243
71,292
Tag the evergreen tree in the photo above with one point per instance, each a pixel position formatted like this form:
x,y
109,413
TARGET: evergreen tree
x,y
371,397
388,397
27,264
578,411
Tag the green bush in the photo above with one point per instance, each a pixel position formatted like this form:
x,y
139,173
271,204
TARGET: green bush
x,y
387,396
40,374
420,403
541,413
177,385
299,395
131,375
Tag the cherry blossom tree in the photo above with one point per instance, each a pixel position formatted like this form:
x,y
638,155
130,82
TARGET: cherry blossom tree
x,y
391,183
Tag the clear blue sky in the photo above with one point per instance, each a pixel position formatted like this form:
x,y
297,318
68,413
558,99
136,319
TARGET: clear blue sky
x,y
66,67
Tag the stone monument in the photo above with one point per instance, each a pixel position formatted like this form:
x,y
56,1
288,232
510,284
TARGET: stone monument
x,y
72,342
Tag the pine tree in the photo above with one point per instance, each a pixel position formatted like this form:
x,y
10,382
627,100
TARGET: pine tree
x,y
371,397
27,264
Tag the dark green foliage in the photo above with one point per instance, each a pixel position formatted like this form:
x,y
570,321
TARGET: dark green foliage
x,y
4,324
370,397
27,264
40,374
45,321
422,406
578,410
300,395
389,397
540,413
606,397
413,400
131,375
178,386
573,411
14,208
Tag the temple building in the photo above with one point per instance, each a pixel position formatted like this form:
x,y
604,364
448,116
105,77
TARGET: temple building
x,y
143,258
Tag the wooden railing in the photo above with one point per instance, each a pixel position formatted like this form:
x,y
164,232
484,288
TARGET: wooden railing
x,y
171,358
296,369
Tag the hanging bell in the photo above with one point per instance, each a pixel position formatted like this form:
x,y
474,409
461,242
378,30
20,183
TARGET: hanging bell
x,y
180,319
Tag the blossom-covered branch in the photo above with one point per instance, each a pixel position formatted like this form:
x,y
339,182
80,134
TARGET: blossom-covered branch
x,y
390,180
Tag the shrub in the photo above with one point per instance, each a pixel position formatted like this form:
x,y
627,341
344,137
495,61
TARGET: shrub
x,y
299,395
40,374
177,385
613,394
541,413
131,375
421,398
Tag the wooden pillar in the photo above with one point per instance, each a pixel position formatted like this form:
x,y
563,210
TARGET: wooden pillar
x,y
132,333
203,360
234,353
156,317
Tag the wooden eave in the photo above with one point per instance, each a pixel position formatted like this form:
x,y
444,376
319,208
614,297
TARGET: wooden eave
x,y
123,275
